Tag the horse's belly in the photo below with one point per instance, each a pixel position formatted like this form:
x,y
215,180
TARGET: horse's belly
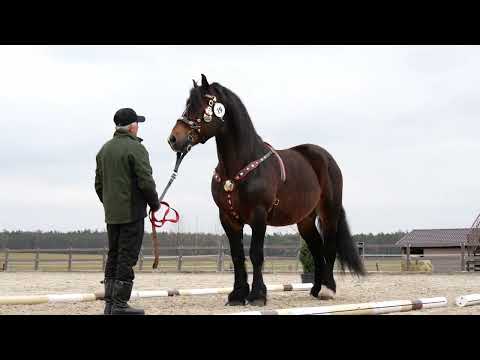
x,y
297,197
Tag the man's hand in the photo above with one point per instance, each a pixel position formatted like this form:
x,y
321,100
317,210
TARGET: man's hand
x,y
155,207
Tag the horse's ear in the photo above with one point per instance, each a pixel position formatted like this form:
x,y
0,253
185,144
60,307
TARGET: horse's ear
x,y
205,83
195,85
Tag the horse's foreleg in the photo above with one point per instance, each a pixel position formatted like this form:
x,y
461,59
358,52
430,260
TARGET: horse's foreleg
x,y
258,295
241,289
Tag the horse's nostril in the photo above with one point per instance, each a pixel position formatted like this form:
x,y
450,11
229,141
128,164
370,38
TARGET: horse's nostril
x,y
172,139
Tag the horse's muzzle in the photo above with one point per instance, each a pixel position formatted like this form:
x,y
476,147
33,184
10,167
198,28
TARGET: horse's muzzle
x,y
180,146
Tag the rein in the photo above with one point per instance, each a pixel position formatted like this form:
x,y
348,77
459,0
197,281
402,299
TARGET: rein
x,y
158,223
213,108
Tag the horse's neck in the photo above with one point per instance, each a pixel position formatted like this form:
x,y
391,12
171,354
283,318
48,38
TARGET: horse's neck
x,y
236,150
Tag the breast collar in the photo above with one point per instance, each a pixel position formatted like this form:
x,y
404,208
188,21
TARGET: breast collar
x,y
230,185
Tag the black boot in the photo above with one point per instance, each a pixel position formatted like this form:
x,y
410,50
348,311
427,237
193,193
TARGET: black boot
x,y
121,294
108,283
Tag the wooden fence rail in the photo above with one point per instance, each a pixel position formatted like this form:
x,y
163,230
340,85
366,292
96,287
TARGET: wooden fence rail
x,y
182,258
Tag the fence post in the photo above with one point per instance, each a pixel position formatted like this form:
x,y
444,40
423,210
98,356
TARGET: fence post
x,y
361,249
6,260
222,260
70,259
297,257
179,258
462,262
37,259
220,255
140,262
179,262
408,257
104,258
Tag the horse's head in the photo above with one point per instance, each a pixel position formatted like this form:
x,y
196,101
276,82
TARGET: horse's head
x,y
201,120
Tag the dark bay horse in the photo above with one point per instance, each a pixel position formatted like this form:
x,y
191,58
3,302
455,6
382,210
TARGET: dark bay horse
x,y
254,184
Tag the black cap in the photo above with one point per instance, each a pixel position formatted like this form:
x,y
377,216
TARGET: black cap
x,y
127,116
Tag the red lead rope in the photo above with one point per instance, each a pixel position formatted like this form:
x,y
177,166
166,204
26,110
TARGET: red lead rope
x,y
156,223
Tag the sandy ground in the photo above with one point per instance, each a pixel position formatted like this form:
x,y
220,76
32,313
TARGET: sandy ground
x,y
375,287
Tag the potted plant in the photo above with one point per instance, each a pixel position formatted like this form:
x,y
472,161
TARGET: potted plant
x,y
306,259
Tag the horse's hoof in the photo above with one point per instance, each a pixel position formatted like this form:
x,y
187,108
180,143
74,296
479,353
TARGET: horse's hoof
x,y
257,302
314,292
235,303
257,298
326,293
238,296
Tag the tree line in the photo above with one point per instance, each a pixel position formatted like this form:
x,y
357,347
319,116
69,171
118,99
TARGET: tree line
x,y
83,239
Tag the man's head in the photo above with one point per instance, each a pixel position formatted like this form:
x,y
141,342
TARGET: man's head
x,y
128,120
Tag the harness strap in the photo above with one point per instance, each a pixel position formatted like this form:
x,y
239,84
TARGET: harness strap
x,y
242,174
283,174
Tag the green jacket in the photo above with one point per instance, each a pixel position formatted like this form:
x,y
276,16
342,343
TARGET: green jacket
x,y
123,179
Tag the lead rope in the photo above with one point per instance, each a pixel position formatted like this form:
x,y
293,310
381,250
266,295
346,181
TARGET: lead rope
x,y
156,223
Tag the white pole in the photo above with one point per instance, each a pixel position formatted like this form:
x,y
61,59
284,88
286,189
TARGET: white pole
x,y
372,308
468,300
136,294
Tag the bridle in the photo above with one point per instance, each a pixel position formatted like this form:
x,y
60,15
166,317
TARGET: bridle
x,y
214,108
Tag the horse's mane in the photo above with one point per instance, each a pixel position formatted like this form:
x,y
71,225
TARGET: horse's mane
x,y
237,118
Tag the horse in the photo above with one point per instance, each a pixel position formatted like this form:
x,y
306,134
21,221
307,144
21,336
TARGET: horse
x,y
255,185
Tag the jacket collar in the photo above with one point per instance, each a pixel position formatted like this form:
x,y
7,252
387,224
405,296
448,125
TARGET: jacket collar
x,y
128,134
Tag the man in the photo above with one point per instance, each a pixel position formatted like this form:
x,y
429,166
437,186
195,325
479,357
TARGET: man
x,y
124,184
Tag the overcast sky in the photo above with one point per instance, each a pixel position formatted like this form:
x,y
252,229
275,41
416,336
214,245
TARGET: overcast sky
x,y
401,121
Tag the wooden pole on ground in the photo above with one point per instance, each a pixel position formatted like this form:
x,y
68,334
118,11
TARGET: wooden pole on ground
x,y
51,298
373,308
468,300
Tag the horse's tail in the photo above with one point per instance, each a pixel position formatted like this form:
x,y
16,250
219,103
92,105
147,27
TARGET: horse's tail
x,y
347,252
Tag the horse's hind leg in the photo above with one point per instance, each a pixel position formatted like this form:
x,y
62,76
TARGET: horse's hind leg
x,y
314,241
328,214
329,252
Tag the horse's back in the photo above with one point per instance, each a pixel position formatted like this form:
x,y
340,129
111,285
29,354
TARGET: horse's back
x,y
327,170
312,151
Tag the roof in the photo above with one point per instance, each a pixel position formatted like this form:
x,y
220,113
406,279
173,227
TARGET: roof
x,y
434,238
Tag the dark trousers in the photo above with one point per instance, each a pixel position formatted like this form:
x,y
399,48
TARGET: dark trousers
x,y
124,243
